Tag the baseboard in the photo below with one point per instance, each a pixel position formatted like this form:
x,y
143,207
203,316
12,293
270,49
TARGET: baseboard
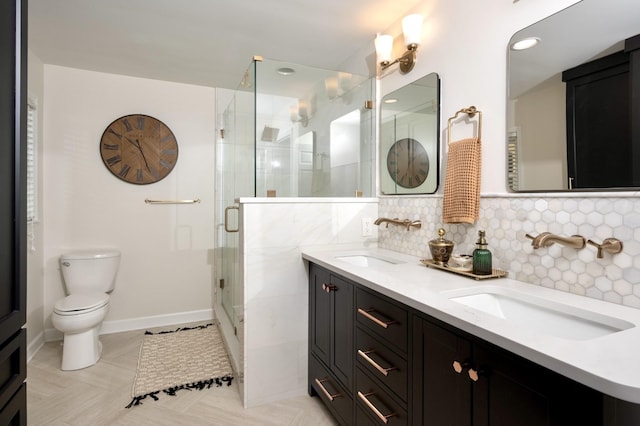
x,y
140,323
34,346
119,326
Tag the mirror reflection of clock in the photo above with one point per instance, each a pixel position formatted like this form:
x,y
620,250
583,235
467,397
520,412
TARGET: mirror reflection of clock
x,y
408,163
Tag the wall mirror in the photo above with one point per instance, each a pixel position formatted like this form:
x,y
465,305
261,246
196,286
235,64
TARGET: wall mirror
x,y
409,138
575,71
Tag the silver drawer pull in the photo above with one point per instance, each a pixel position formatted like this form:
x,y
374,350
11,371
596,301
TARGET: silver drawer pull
x,y
367,314
382,417
377,366
325,391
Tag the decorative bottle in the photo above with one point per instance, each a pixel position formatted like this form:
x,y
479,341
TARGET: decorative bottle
x,y
481,256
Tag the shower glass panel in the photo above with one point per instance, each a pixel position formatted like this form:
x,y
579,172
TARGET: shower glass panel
x,y
288,131
298,152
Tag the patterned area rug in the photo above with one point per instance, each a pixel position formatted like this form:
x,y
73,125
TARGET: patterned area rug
x,y
192,358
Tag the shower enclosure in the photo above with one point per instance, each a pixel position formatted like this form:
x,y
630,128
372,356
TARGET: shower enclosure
x,y
287,131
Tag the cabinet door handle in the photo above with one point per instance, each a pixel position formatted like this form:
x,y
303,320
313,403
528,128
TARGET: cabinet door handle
x,y
381,369
383,418
475,374
367,314
459,367
329,287
324,390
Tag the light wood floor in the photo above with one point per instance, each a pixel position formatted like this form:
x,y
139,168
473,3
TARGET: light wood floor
x,y
98,395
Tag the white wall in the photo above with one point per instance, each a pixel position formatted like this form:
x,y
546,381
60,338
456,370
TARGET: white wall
x,y
466,43
35,240
167,260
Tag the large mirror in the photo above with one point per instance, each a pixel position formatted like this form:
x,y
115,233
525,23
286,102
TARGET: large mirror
x,y
570,103
409,142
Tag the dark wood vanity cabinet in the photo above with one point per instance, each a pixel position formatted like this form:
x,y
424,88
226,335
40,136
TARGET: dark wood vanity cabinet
x,y
331,341
461,380
382,373
376,361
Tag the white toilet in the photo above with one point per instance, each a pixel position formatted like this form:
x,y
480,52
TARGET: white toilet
x,y
88,276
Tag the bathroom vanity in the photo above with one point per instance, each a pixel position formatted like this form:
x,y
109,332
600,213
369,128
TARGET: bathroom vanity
x,y
392,342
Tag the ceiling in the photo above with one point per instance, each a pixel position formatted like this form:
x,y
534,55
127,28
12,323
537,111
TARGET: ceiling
x,y
204,42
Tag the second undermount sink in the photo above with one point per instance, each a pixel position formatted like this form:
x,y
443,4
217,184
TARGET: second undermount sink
x,y
537,314
364,259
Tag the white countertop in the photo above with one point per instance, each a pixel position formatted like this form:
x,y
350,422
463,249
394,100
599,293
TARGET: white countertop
x,y
608,363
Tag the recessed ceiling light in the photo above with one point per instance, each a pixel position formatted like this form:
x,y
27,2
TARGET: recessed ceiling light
x,y
286,71
525,43
390,101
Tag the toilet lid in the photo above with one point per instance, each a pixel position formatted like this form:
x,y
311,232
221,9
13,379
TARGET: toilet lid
x,y
81,302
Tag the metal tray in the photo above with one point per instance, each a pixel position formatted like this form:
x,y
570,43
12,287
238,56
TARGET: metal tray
x,y
495,273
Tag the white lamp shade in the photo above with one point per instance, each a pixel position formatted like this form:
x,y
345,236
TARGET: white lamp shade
x,y
384,46
412,29
331,86
303,108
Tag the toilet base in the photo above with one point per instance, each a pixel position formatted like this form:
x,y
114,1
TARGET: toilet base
x,y
81,350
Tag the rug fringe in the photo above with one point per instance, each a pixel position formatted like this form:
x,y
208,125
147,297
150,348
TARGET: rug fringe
x,y
200,385
197,327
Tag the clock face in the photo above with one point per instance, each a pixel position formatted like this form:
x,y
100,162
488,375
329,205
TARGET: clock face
x,y
408,163
139,149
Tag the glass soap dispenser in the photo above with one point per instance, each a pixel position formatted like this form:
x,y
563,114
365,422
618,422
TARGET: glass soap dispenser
x,y
481,256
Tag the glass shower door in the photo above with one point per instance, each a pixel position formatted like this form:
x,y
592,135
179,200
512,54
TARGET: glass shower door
x,y
234,179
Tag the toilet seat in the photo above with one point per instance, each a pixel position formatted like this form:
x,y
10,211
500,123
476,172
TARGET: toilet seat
x,y
76,304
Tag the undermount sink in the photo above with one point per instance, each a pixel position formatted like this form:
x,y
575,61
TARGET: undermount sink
x,y
367,259
539,315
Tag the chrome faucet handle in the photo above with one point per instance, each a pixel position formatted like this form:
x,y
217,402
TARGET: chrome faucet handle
x,y
610,245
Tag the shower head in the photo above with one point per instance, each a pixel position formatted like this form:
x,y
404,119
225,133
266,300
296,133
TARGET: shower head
x,y
269,134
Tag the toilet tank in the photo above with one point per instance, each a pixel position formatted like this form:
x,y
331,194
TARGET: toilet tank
x,y
90,270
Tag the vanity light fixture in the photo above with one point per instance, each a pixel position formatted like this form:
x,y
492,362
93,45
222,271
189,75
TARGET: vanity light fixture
x,y
412,29
300,113
525,43
338,86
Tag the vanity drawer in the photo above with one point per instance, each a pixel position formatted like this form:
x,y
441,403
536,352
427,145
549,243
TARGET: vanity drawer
x,y
331,392
383,317
379,407
380,362
13,365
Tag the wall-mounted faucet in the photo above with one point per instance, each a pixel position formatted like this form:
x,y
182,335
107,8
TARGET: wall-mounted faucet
x,y
547,238
405,222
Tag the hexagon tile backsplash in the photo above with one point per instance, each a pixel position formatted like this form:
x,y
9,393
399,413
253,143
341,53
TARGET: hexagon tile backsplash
x,y
506,219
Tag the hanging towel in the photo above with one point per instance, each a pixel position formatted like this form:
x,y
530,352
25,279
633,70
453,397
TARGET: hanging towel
x,y
461,202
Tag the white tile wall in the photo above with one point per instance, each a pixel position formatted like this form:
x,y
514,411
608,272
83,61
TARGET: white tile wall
x,y
506,219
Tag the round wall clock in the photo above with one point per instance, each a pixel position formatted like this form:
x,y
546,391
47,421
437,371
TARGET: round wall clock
x,y
139,149
408,163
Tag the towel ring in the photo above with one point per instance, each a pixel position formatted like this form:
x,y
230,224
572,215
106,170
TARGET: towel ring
x,y
471,112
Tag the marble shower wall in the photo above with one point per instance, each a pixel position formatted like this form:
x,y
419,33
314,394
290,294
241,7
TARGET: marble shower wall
x,y
276,289
506,219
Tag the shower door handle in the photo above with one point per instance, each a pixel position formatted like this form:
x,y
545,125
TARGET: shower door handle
x,y
226,218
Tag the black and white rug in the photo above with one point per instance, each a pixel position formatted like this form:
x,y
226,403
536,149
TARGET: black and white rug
x,y
190,358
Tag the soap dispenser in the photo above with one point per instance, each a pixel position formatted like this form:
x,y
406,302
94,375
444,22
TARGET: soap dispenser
x,y
481,256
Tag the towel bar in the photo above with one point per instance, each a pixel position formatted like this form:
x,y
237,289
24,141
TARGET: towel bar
x,y
471,112
148,201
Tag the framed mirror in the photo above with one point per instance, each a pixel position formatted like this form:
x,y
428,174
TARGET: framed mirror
x,y
570,106
409,138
